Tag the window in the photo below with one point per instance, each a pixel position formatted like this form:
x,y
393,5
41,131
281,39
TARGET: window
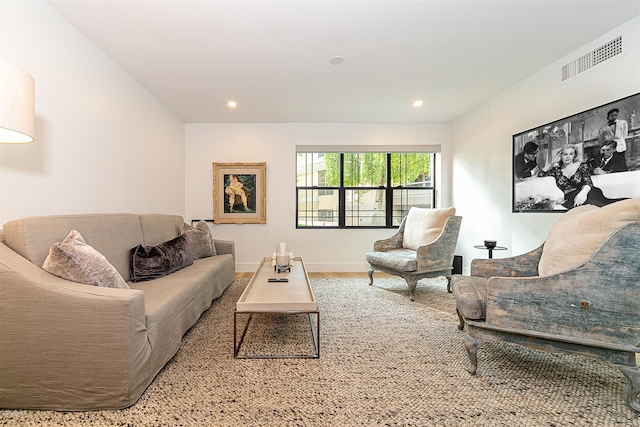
x,y
373,189
322,182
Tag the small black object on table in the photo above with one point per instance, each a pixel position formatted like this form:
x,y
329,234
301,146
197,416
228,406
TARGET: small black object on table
x,y
491,249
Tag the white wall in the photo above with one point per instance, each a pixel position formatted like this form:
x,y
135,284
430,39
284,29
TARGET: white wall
x,y
102,143
323,250
477,164
472,177
482,142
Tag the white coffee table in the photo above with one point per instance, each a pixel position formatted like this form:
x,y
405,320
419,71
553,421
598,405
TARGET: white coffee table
x,y
263,297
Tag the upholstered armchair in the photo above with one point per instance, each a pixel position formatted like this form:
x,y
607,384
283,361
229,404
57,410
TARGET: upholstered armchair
x,y
579,292
423,246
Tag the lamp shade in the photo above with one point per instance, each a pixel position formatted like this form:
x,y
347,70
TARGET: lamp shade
x,y
17,104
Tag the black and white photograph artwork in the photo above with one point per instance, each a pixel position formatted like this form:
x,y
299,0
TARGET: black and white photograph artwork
x,y
592,157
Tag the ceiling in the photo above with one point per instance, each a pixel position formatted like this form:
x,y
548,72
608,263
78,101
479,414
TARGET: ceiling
x,y
272,57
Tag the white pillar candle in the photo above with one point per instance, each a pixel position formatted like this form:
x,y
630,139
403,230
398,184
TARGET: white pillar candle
x,y
281,249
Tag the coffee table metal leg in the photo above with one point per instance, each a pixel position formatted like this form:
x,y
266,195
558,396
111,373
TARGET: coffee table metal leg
x,y
314,337
236,349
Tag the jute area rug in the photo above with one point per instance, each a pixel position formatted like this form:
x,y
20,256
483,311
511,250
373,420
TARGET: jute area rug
x,y
385,361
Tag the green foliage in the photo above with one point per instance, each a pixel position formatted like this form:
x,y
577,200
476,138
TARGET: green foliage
x,y
332,162
370,169
409,167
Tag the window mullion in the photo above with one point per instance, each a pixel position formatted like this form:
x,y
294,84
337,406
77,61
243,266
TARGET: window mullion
x,y
388,195
342,206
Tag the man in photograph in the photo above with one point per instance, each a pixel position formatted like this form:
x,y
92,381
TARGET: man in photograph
x,y
525,164
615,130
609,162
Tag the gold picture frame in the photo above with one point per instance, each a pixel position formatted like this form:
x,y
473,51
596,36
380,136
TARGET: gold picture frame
x,y
239,193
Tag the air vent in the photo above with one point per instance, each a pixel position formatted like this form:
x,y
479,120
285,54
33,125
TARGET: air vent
x,y
593,58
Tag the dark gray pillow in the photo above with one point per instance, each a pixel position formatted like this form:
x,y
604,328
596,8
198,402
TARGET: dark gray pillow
x,y
151,262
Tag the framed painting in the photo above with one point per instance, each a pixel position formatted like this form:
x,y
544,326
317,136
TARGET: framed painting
x,y
239,193
589,158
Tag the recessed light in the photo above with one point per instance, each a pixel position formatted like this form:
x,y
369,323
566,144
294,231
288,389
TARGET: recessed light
x,y
417,103
232,104
336,60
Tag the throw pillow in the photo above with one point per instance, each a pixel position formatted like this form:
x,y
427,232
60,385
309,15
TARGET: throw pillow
x,y
200,240
151,262
73,259
579,232
423,226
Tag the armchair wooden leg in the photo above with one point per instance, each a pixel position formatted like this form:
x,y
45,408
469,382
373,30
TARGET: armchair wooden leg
x,y
472,351
461,324
370,272
449,284
412,283
632,387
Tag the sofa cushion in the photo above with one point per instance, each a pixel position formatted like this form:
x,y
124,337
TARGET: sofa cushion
x,y
471,296
151,262
580,231
73,259
423,226
395,259
199,239
174,303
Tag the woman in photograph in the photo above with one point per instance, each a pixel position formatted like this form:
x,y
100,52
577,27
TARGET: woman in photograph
x,y
574,178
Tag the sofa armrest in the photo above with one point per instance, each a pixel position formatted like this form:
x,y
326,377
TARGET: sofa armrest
x,y
225,247
59,337
524,265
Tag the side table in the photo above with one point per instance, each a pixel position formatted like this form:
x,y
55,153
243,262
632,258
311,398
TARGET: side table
x,y
497,248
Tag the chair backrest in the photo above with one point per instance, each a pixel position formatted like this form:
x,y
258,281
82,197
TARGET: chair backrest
x,y
423,226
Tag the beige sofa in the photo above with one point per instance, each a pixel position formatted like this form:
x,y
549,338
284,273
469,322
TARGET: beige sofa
x,y
71,346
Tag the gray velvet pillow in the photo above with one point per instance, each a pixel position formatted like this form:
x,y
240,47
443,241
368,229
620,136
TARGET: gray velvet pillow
x,y
200,240
73,259
151,262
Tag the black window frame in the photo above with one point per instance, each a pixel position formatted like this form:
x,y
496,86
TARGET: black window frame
x,y
342,190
